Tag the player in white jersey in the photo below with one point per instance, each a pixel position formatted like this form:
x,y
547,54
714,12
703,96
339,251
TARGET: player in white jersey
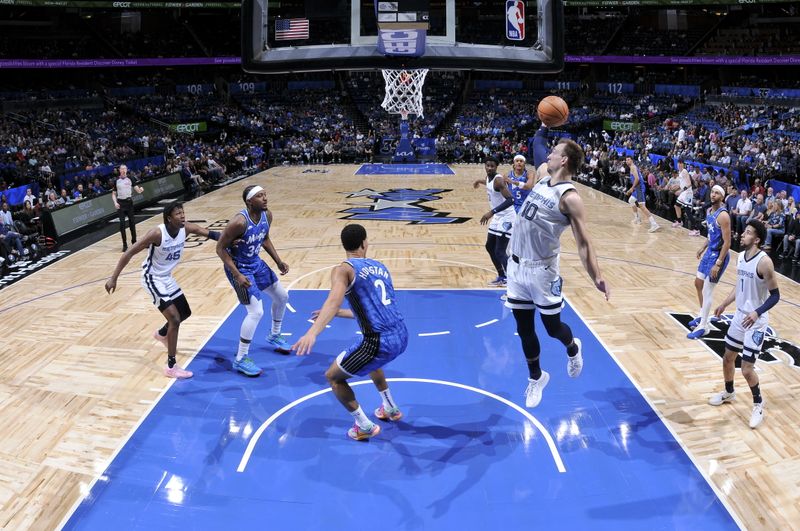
x,y
533,272
756,292
165,247
500,218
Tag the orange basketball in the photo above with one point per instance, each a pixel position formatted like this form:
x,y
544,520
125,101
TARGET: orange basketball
x,y
553,111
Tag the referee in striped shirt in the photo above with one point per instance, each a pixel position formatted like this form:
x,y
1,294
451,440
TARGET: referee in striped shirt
x,y
123,201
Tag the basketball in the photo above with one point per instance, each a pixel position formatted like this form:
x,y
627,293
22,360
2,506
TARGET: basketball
x,y
553,111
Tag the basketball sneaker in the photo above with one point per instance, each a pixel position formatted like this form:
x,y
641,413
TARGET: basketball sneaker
x,y
246,366
694,322
757,415
280,344
697,333
497,282
575,363
654,227
389,414
676,224
177,373
357,434
158,337
533,393
722,397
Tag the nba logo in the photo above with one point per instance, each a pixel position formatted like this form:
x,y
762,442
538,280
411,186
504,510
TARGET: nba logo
x,y
515,20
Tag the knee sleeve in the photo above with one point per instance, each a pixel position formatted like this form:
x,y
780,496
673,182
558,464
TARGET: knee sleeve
x,y
255,310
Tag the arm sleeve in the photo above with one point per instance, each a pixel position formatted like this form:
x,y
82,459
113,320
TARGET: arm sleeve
x,y
540,149
504,205
772,300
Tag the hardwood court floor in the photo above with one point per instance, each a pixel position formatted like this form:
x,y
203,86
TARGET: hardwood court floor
x,y
78,368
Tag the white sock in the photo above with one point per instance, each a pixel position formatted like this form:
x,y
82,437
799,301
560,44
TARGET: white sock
x,y
653,221
388,402
361,419
244,348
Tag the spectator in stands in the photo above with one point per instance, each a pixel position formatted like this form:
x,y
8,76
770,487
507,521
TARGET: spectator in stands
x,y
29,196
27,219
78,193
791,241
97,188
744,207
11,239
757,189
759,209
5,215
774,221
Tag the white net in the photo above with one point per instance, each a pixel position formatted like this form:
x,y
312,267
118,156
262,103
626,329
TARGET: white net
x,y
404,91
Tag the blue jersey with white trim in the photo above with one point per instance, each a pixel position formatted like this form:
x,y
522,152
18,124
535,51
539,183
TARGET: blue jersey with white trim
x,y
371,297
518,193
715,240
641,182
246,253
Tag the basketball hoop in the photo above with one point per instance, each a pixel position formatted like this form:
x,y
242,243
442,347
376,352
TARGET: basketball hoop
x,y
404,92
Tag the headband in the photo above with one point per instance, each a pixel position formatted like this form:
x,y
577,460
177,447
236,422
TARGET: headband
x,y
253,192
719,189
519,157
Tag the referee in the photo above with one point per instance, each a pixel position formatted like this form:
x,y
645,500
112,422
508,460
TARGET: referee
x,y
123,201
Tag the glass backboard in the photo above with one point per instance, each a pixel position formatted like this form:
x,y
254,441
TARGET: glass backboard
x,y
281,36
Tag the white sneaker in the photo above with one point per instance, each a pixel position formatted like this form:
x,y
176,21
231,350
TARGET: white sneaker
x,y
533,394
653,227
757,415
722,397
636,221
575,363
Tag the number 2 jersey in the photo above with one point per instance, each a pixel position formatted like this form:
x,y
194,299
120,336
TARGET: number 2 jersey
x,y
540,222
371,297
162,259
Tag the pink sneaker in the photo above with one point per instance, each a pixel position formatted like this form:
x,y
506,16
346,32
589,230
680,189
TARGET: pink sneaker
x,y
357,434
676,224
393,414
177,373
160,338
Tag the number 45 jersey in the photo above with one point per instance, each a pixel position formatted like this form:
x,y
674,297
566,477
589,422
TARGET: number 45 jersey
x,y
371,297
162,259
539,222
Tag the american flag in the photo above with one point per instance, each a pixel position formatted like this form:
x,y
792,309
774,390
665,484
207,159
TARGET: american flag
x,y
287,29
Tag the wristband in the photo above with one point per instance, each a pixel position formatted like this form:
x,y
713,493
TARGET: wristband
x,y
214,235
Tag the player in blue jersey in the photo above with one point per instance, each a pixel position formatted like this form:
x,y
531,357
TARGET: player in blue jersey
x,y
714,259
517,178
367,285
238,247
637,195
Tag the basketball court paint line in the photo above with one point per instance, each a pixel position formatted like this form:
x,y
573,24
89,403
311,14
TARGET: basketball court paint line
x,y
456,459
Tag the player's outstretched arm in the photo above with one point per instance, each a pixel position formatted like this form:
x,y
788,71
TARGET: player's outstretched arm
x,y
572,205
191,228
341,276
153,237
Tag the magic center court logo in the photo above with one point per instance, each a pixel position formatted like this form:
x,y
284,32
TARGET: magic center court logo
x,y
772,349
400,204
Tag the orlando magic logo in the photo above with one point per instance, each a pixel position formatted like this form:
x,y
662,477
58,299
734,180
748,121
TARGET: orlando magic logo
x,y
400,204
772,348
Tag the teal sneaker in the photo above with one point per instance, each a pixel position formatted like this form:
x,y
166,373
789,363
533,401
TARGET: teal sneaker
x,y
247,367
280,344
